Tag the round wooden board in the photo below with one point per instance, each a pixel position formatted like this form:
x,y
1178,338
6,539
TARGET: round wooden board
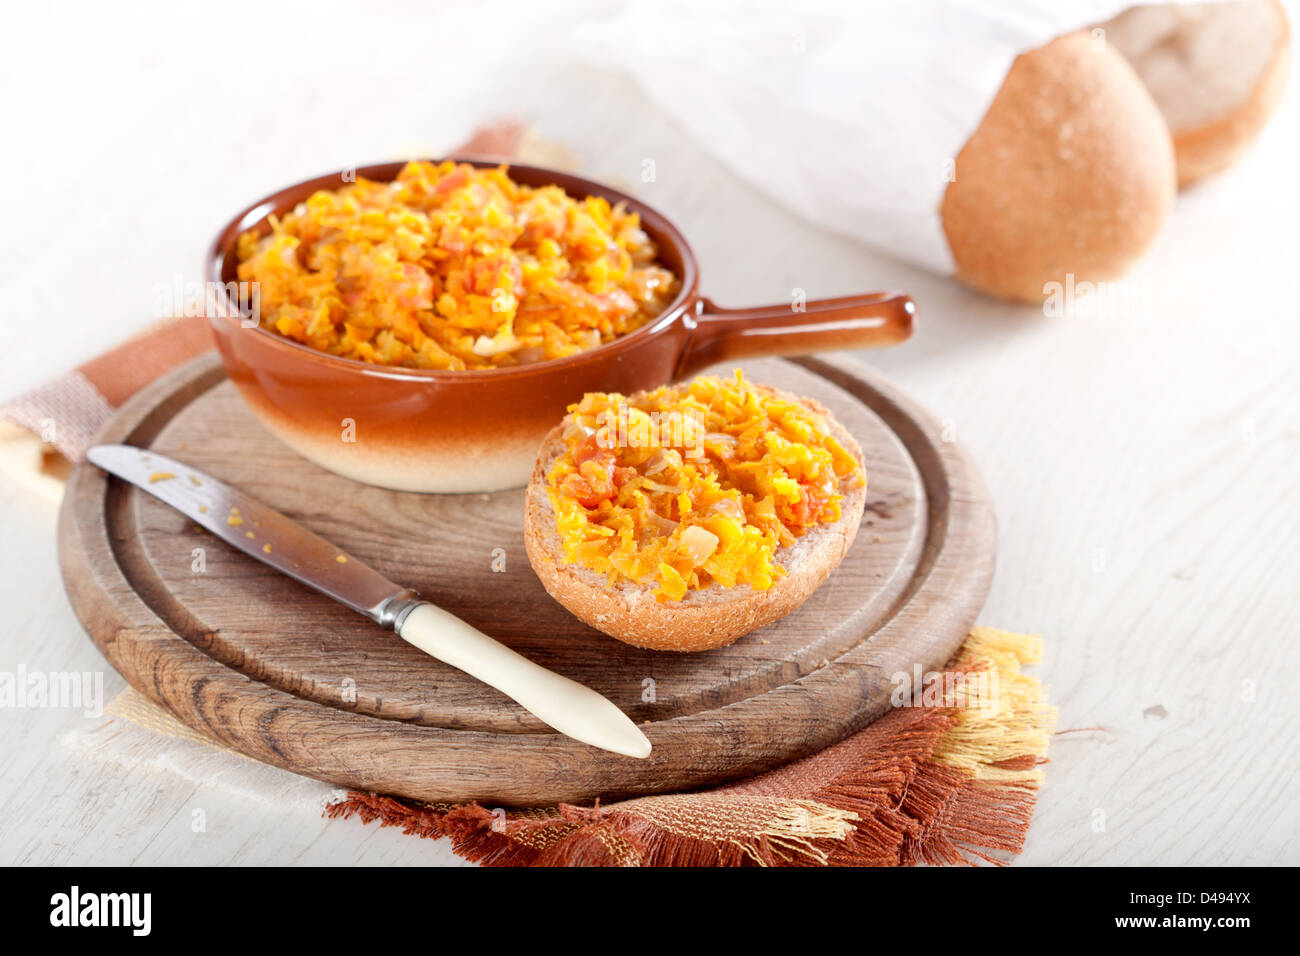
x,y
287,676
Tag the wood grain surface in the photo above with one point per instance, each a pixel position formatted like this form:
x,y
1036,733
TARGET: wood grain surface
x,y
289,677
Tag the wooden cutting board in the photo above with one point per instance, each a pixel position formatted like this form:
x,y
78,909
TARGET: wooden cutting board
x,y
285,675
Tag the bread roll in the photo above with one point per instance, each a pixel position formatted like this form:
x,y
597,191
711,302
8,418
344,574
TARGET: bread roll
x,y
1215,70
704,619
1070,171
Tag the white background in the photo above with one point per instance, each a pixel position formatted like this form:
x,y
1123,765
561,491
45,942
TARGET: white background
x,y
1146,466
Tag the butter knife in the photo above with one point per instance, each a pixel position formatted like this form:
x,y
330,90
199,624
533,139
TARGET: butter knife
x,y
572,709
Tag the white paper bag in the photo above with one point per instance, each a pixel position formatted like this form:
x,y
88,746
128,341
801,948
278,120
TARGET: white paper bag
x,y
851,114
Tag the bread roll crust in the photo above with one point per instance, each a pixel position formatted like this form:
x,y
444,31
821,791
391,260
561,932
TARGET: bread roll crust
x,y
1071,171
706,618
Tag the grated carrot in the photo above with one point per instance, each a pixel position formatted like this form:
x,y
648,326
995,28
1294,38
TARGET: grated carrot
x,y
452,267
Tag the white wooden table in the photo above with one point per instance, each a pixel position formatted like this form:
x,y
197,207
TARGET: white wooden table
x,y
1146,467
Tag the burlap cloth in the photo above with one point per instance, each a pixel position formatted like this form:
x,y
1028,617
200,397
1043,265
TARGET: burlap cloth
x,y
941,783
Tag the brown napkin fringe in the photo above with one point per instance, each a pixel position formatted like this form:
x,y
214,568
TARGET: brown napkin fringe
x,y
938,785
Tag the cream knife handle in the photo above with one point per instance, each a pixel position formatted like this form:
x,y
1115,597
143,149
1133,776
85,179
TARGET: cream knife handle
x,y
566,705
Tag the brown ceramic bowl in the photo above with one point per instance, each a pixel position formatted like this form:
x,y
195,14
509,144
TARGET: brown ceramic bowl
x,y
443,431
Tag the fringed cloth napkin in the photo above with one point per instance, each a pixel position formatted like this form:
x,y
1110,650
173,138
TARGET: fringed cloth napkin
x,y
42,431
936,784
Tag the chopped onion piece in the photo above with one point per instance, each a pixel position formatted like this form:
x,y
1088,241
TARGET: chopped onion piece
x,y
576,429
665,489
729,507
662,526
699,543
487,346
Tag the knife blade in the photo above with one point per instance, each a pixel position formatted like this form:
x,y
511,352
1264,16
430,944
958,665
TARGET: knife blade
x,y
277,540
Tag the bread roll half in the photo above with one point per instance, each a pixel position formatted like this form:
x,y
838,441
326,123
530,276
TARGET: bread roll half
x,y
1071,171
1215,70
705,618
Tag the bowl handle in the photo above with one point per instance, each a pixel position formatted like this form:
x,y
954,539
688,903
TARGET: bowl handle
x,y
852,322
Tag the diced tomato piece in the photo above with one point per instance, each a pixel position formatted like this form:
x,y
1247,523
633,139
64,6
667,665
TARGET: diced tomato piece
x,y
808,509
587,448
590,449
800,511
580,490
453,181
419,294
597,479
